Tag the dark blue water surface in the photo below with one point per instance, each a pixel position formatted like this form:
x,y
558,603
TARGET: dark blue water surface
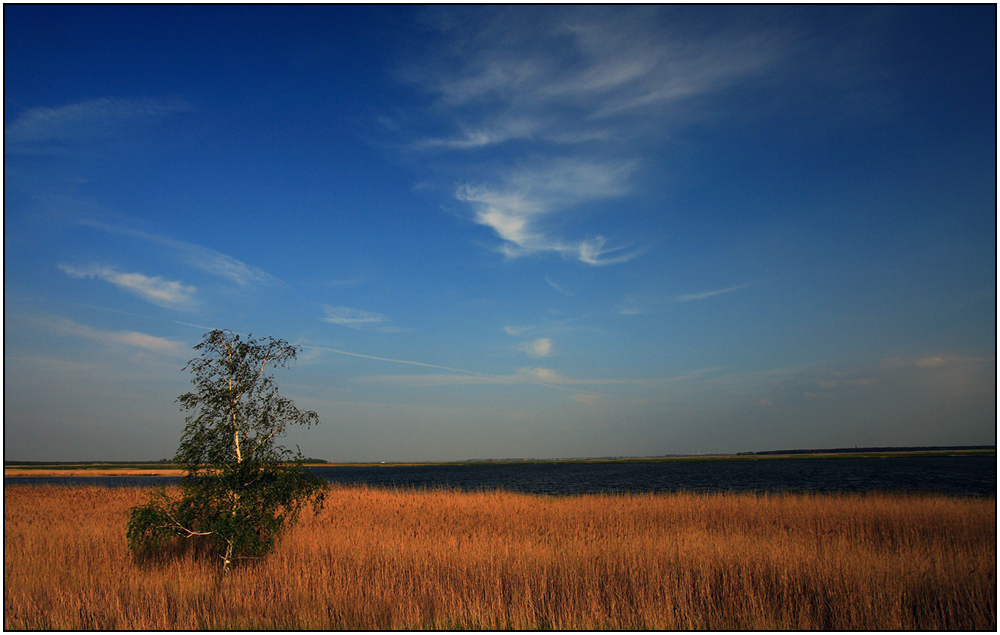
x,y
973,476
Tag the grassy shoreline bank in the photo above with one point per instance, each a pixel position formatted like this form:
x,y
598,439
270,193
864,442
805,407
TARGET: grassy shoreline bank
x,y
394,559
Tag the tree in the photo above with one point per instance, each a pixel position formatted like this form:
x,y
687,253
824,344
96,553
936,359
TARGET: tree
x,y
240,487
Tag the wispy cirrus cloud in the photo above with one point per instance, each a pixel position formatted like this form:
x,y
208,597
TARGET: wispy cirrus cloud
x,y
358,319
557,287
219,264
545,375
474,138
629,306
45,130
202,258
431,380
461,377
133,339
579,389
701,295
574,93
391,360
166,293
516,330
576,74
521,208
541,347
528,375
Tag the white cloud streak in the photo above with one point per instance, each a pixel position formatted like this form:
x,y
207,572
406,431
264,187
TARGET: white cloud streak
x,y
393,361
354,318
436,380
583,82
701,295
46,130
166,293
629,306
523,376
572,74
516,330
201,258
557,287
219,264
543,375
519,209
527,375
542,347
132,339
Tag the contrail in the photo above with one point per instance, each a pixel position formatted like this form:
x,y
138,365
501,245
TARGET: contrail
x,y
197,326
457,370
707,294
397,361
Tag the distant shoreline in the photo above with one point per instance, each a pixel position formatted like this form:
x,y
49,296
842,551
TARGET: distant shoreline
x,y
147,468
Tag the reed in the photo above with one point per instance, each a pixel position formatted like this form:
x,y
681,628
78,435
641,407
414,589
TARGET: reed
x,y
395,559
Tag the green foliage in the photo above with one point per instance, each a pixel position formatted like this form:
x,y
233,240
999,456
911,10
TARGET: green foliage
x,y
240,488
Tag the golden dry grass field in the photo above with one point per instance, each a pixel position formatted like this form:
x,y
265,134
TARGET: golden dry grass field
x,y
383,559
112,471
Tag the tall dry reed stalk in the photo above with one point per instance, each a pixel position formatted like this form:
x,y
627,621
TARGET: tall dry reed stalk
x,y
382,559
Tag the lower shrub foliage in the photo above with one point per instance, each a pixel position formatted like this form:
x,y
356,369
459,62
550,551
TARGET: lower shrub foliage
x,y
240,511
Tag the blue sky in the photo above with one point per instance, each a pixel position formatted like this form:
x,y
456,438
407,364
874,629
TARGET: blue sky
x,y
505,232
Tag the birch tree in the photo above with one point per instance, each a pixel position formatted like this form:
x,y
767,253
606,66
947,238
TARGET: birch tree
x,y
240,488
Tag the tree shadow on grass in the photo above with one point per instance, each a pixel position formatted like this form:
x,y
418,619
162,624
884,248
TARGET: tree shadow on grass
x,y
195,548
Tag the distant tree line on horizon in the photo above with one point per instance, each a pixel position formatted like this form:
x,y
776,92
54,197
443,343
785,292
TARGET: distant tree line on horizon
x,y
921,448
924,448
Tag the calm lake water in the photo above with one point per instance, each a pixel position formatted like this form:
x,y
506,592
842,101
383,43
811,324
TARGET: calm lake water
x,y
974,476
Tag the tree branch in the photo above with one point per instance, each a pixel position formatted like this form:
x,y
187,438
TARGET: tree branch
x,y
272,433
190,533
